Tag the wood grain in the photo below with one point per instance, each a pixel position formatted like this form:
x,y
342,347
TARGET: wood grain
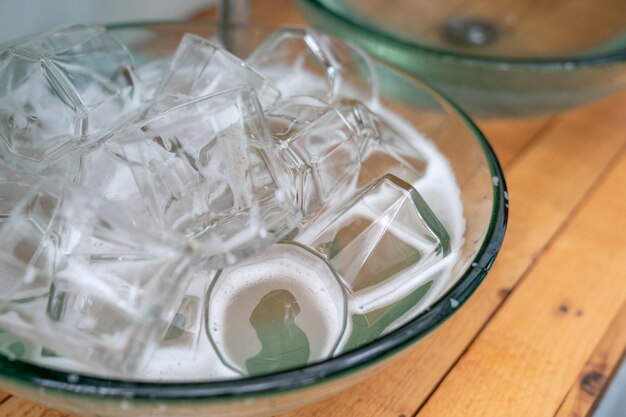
x,y
531,352
268,12
16,407
510,137
591,383
275,12
3,396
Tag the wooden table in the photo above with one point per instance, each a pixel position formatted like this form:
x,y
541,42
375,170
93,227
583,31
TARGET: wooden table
x,y
544,333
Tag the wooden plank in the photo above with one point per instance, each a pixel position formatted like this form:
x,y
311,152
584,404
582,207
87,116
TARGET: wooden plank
x,y
267,12
510,137
546,183
275,12
4,396
531,352
16,407
591,383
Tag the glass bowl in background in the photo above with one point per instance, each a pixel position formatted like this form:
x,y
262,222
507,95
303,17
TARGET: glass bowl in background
x,y
484,197
494,58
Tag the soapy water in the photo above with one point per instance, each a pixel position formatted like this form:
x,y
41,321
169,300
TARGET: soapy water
x,y
286,306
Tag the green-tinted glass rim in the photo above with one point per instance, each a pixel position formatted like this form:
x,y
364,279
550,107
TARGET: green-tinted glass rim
x,y
367,355
548,63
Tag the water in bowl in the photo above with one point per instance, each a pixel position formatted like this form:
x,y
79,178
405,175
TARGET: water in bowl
x,y
306,219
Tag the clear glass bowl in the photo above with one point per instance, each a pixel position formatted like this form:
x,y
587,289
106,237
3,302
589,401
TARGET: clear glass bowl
x,y
496,59
483,192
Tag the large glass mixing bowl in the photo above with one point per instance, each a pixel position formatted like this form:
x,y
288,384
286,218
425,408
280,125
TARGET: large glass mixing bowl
x,y
495,58
483,193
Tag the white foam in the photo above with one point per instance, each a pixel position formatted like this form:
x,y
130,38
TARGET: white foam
x,y
181,364
283,267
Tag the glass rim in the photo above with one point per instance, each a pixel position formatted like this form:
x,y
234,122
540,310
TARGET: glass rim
x,y
548,63
72,383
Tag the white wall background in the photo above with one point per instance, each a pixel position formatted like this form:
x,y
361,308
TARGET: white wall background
x,y
24,17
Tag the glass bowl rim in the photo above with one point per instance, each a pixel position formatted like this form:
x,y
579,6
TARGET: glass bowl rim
x,y
557,62
23,373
